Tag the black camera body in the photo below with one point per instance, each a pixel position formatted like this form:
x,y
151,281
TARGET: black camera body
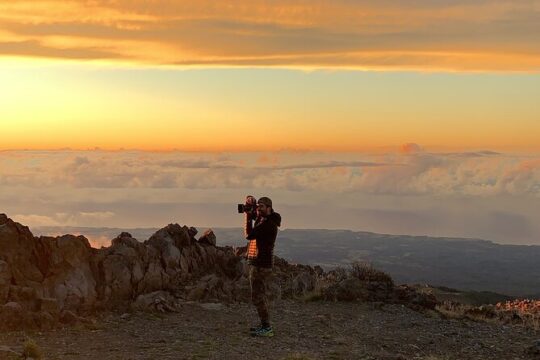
x,y
246,208
250,206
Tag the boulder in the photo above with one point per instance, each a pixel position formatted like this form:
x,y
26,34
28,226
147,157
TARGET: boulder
x,y
14,317
49,305
5,281
68,317
160,301
208,238
117,278
44,320
22,252
69,278
24,295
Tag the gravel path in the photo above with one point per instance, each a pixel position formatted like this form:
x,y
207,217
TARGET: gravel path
x,y
314,330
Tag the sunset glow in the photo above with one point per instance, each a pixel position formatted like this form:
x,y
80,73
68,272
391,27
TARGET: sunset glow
x,y
87,106
404,117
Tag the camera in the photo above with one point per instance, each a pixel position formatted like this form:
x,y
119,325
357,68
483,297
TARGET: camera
x,y
250,205
242,208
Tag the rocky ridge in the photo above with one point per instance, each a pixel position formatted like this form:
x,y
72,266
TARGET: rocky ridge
x,y
46,281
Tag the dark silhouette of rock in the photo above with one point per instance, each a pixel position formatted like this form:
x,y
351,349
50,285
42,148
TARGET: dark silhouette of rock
x,y
208,238
47,280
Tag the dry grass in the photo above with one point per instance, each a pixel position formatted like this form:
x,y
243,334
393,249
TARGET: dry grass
x,y
314,295
518,312
366,272
32,350
525,311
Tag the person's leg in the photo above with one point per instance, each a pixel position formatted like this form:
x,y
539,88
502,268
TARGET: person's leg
x,y
258,294
253,289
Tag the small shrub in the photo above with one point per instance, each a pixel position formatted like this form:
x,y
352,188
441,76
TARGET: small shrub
x,y
314,295
32,350
367,273
338,274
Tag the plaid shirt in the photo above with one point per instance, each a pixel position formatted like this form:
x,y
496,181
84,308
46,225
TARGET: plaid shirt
x,y
262,237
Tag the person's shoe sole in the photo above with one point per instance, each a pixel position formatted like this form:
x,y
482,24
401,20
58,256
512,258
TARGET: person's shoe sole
x,y
265,334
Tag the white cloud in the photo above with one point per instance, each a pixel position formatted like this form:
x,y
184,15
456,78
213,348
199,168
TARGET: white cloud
x,y
64,219
409,171
36,220
478,194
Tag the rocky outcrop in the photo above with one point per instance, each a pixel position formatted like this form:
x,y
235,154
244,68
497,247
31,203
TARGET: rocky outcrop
x,y
47,280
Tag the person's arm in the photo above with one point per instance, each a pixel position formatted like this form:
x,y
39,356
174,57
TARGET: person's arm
x,y
249,216
248,225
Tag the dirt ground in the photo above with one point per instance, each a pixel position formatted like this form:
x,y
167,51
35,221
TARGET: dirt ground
x,y
313,330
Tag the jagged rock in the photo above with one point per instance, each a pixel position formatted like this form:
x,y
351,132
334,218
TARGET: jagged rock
x,y
69,276
184,264
23,295
12,306
5,281
68,317
208,238
117,278
21,251
172,234
154,278
61,277
44,320
240,251
49,305
197,292
13,316
192,232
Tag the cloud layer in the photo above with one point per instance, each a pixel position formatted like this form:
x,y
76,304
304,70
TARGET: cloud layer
x,y
480,194
425,35
411,170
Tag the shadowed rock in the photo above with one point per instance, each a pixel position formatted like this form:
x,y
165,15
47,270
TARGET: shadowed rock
x,y
47,280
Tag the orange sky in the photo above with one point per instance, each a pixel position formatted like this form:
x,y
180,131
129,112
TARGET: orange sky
x,y
88,106
473,35
258,75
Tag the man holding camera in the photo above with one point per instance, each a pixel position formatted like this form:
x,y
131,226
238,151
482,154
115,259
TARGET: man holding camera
x,y
260,255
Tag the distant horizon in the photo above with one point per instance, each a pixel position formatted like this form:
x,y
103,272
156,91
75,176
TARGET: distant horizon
x,y
202,228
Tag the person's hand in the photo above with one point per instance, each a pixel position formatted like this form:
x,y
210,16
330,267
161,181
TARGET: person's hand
x,y
250,200
251,203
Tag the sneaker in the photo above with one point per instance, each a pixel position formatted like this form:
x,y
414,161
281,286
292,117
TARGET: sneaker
x,y
265,332
255,328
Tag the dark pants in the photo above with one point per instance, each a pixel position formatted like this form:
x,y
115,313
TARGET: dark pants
x,y
258,280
